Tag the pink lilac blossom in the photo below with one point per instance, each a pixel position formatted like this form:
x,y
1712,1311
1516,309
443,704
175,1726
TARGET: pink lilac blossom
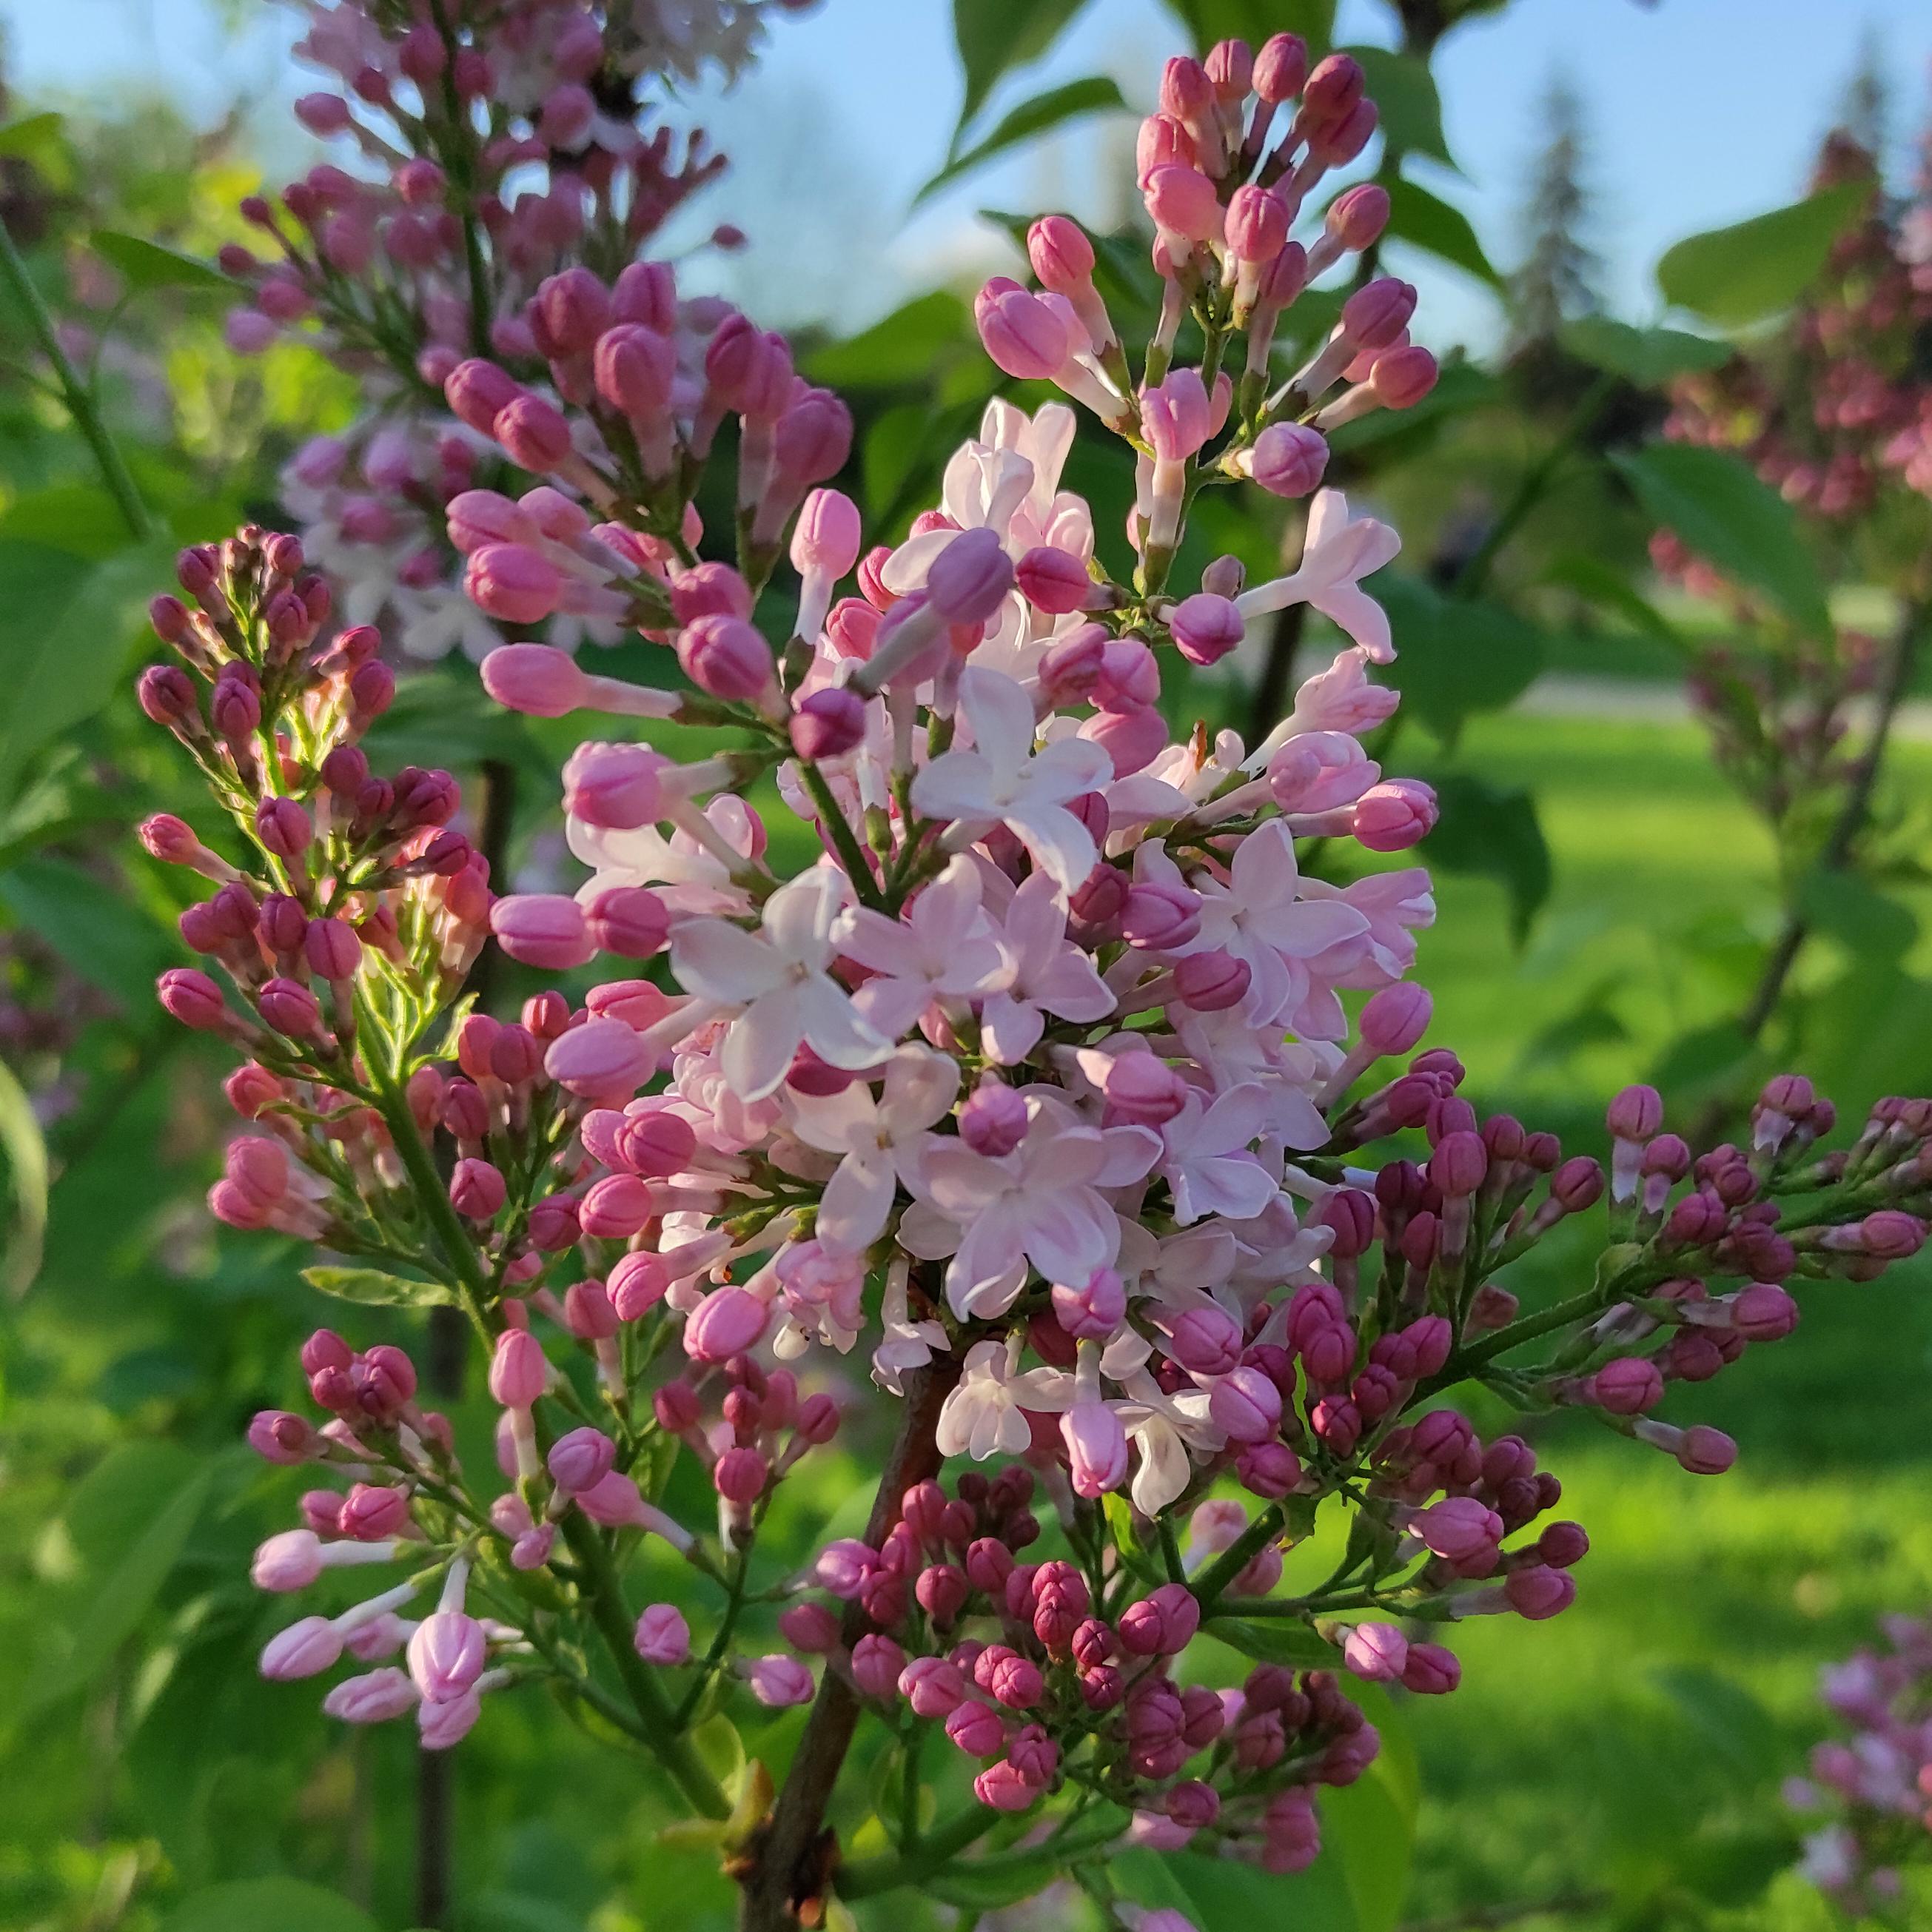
x,y
1037,1088
1867,1806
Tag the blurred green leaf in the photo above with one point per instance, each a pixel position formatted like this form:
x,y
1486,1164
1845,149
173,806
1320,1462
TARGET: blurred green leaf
x,y
1729,1720
1275,1640
985,1884
374,1289
1706,1061
1425,221
40,140
995,36
257,1904
144,265
1455,656
66,631
1607,587
1856,912
1404,91
900,348
93,926
1491,831
1093,95
1870,1033
26,1150
1371,1823
80,519
1759,268
1645,356
1728,515
157,1492
1254,20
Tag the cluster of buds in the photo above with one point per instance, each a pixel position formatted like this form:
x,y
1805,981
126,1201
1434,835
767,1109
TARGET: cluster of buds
x,y
354,905
1838,403
407,1503
1056,1676
1226,167
1835,413
488,146
1058,1088
1875,1784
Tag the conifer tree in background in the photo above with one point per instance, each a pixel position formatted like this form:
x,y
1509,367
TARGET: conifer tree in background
x,y
1865,114
1558,276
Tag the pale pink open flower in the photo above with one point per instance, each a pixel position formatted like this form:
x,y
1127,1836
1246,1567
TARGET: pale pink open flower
x,y
1338,553
878,1139
779,981
1003,781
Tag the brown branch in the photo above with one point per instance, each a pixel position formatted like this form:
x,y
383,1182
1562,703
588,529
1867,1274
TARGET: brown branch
x,y
1837,851
790,1858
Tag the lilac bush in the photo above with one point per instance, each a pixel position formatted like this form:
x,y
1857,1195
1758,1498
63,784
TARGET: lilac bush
x,y
967,1027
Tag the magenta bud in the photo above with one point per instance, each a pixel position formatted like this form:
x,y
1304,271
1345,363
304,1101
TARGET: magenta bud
x,y
828,723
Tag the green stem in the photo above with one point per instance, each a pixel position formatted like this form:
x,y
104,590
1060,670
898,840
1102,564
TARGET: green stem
x,y
668,1744
851,855
74,393
1236,1557
1474,574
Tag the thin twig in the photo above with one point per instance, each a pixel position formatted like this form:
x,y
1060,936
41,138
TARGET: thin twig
x,y
75,394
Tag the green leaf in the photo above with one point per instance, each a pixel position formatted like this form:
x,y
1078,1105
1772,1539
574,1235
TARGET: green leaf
x,y
1276,1640
1757,269
1729,1719
1607,587
1093,95
374,1289
1425,221
1728,516
143,264
1122,1523
1455,656
26,1150
1645,356
41,140
96,928
1254,20
66,630
1708,1060
1857,913
1404,92
901,348
1493,832
255,1904
985,1885
995,36
156,1494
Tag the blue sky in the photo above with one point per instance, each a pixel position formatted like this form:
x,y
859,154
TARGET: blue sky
x,y
1701,111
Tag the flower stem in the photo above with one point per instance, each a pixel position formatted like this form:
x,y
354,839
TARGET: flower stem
x,y
75,394
667,1743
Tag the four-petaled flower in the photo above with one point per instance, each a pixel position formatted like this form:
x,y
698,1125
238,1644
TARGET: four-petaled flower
x,y
881,1139
1336,553
779,979
944,948
1048,977
1039,1204
1003,781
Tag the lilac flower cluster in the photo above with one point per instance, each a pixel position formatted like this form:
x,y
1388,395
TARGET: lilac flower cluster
x,y
1056,1085
484,147
1877,1782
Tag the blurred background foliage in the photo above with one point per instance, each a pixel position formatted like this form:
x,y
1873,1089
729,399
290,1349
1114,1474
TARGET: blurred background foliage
x,y
1606,905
